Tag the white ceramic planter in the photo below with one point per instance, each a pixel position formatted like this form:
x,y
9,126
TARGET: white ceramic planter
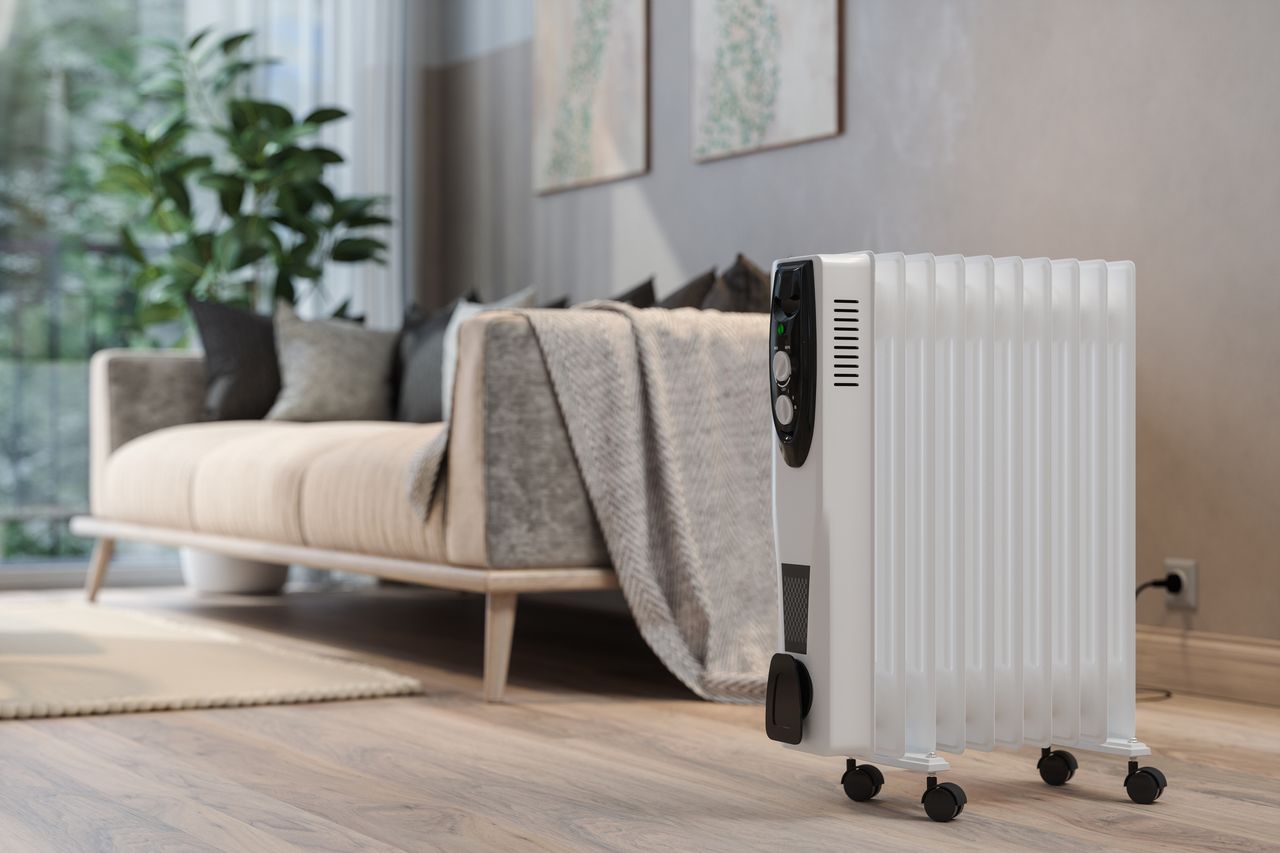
x,y
214,573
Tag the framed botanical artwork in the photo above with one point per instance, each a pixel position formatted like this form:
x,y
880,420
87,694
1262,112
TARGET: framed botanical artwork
x,y
590,92
766,73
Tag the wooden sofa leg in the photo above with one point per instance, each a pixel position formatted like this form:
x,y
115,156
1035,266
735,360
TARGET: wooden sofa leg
x,y
499,628
98,561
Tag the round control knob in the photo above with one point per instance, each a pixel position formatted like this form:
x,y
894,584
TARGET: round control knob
x,y
781,367
785,410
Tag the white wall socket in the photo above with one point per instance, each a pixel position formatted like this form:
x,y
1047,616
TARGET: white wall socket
x,y
1186,598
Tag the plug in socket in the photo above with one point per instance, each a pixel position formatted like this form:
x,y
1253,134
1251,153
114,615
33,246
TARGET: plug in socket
x,y
1184,599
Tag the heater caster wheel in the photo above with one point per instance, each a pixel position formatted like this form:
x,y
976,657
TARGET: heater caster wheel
x,y
1145,785
862,782
943,802
1057,767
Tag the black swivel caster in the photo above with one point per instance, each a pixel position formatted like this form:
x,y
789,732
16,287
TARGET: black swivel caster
x,y
861,781
1056,766
943,802
1144,784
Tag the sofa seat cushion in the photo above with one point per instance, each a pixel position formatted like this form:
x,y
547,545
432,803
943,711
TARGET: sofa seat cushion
x,y
339,485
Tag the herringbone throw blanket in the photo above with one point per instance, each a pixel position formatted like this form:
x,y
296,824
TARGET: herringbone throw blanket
x,y
668,415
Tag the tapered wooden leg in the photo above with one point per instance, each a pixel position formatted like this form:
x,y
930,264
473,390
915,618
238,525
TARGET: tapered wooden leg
x,y
499,629
98,561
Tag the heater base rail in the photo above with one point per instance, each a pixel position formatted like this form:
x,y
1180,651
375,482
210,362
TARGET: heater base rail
x,y
934,763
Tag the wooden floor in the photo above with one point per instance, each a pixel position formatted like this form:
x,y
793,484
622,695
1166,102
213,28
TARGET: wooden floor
x,y
597,747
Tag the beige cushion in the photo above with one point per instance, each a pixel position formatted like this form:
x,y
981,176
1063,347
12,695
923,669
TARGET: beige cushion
x,y
355,497
329,485
148,479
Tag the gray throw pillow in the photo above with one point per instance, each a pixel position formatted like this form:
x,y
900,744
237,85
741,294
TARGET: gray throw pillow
x,y
331,370
421,353
463,312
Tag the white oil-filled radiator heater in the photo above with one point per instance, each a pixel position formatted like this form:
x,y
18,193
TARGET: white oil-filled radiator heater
x,y
953,493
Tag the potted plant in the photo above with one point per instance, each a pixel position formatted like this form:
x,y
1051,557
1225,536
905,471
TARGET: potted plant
x,y
230,203
229,192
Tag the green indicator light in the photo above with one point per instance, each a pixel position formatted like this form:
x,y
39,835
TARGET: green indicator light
x,y
782,328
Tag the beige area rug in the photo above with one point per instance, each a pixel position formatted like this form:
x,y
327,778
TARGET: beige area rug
x,y
63,659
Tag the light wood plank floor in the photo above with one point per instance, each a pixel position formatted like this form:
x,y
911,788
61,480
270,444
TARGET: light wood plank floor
x,y
597,747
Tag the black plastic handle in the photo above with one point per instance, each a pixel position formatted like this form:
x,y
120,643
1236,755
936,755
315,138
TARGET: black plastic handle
x,y
788,700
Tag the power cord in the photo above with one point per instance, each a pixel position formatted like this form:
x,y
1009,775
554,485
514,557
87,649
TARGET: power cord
x,y
1173,583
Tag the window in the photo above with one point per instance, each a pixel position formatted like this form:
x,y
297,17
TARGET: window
x,y
66,68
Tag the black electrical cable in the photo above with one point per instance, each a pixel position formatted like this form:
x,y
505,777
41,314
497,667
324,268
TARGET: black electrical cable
x,y
1173,583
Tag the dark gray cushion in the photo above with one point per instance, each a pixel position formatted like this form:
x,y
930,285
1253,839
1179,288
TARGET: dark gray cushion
x,y
693,293
640,296
743,287
421,354
242,375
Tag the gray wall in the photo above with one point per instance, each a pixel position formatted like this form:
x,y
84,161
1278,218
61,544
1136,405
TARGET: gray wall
x,y
1142,129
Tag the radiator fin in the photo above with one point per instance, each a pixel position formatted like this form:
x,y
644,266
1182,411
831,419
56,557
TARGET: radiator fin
x,y
1004,479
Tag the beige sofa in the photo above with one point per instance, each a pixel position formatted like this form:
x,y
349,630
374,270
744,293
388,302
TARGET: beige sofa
x,y
514,517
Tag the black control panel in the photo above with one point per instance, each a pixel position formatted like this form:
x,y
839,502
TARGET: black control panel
x,y
793,359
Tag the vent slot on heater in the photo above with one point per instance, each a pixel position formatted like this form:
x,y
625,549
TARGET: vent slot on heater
x,y
795,608
846,337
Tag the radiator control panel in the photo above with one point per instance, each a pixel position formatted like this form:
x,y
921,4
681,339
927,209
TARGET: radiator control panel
x,y
793,355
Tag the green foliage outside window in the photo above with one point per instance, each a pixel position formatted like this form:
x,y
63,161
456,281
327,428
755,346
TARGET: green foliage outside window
x,y
67,68
72,282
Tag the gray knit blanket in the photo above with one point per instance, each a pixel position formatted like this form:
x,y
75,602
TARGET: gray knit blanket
x,y
668,415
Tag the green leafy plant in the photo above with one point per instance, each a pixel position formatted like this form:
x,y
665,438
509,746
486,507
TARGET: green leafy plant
x,y
230,192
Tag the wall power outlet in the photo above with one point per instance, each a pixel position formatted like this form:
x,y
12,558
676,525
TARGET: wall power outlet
x,y
1185,598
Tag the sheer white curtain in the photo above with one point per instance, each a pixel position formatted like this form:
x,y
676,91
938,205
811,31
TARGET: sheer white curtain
x,y
350,54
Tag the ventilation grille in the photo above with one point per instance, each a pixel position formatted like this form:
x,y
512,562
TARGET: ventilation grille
x,y
846,343
795,608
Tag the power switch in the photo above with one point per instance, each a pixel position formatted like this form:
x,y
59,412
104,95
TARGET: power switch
x,y
781,367
785,410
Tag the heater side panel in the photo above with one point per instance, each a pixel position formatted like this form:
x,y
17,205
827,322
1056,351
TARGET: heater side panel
x,y
847,320
823,516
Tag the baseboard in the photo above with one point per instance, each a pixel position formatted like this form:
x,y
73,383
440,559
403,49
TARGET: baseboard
x,y
1246,669
57,575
